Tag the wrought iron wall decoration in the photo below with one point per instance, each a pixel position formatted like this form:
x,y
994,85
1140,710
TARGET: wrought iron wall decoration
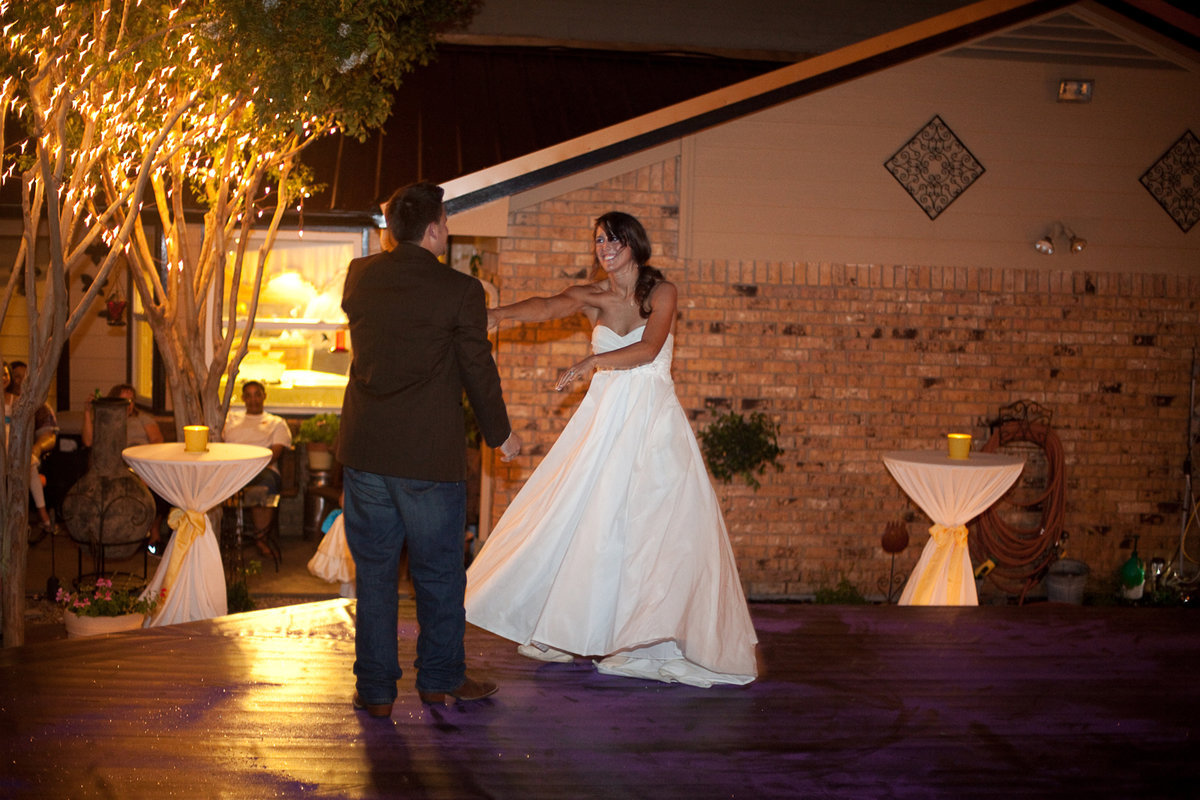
x,y
934,167
1174,181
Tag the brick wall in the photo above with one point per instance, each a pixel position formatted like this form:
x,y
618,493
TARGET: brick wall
x,y
856,360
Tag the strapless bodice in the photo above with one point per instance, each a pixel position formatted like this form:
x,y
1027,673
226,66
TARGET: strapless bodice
x,y
605,339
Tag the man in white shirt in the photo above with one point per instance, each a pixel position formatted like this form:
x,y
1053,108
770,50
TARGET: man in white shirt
x,y
255,426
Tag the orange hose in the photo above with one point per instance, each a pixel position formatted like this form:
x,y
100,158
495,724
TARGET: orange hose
x,y
1022,555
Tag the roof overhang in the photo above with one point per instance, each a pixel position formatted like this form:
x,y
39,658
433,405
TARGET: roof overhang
x,y
491,188
797,80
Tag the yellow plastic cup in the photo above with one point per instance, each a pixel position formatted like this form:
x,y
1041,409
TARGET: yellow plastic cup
x,y
195,438
959,445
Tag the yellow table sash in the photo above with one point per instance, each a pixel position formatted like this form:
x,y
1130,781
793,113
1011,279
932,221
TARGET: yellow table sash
x,y
938,573
188,527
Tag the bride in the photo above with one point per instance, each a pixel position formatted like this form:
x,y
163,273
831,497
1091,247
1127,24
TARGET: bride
x,y
616,546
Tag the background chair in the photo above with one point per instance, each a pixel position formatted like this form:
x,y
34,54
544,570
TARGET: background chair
x,y
238,531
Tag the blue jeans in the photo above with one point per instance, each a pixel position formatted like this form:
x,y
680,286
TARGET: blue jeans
x,y
268,478
382,513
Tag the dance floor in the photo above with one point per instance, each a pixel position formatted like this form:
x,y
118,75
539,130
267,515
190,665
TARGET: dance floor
x,y
1045,700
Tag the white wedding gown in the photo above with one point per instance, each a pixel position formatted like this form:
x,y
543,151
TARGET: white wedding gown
x,y
616,545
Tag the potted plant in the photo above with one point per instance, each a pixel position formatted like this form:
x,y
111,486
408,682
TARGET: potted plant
x,y
737,445
319,432
101,608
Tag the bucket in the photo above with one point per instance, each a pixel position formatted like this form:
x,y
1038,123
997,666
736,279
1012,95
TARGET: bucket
x,y
959,445
1065,581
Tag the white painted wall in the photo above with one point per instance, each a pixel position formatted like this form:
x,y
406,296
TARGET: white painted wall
x,y
805,181
97,351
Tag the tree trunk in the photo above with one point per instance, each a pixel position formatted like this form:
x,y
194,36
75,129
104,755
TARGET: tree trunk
x,y
192,407
14,557
16,542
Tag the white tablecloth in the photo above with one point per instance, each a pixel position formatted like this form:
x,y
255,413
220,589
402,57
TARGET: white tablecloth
x,y
191,573
952,492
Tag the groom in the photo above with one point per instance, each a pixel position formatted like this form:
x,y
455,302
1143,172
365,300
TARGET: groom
x,y
418,329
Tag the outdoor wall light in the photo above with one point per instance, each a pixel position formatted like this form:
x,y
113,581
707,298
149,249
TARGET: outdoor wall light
x,y
1045,245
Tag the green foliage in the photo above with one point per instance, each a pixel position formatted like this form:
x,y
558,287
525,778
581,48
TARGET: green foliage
x,y
320,428
238,599
737,445
337,56
1165,597
845,593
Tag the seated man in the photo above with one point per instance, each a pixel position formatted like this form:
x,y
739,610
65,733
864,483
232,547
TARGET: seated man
x,y
254,426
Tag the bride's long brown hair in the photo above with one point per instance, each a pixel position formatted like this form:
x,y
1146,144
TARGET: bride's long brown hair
x,y
628,231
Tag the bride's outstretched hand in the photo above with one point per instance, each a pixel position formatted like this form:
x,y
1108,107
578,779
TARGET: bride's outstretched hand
x,y
493,321
572,374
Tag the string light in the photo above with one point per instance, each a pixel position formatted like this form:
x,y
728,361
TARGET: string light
x,y
190,141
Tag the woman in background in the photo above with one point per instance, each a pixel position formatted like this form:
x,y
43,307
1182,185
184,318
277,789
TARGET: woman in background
x,y
139,428
45,436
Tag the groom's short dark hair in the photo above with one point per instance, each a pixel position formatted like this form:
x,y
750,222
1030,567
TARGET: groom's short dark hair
x,y
411,209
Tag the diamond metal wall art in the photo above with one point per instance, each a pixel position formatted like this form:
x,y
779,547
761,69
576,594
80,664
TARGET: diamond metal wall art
x,y
1174,181
934,167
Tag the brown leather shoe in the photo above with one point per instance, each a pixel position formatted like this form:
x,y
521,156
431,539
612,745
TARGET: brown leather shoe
x,y
378,710
469,689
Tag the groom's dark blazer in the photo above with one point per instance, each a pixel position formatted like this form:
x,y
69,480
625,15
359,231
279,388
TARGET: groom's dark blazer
x,y
418,332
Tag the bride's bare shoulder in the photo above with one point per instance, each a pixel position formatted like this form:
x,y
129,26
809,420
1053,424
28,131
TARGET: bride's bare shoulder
x,y
590,291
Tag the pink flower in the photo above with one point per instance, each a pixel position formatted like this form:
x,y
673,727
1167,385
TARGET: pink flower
x,y
104,600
